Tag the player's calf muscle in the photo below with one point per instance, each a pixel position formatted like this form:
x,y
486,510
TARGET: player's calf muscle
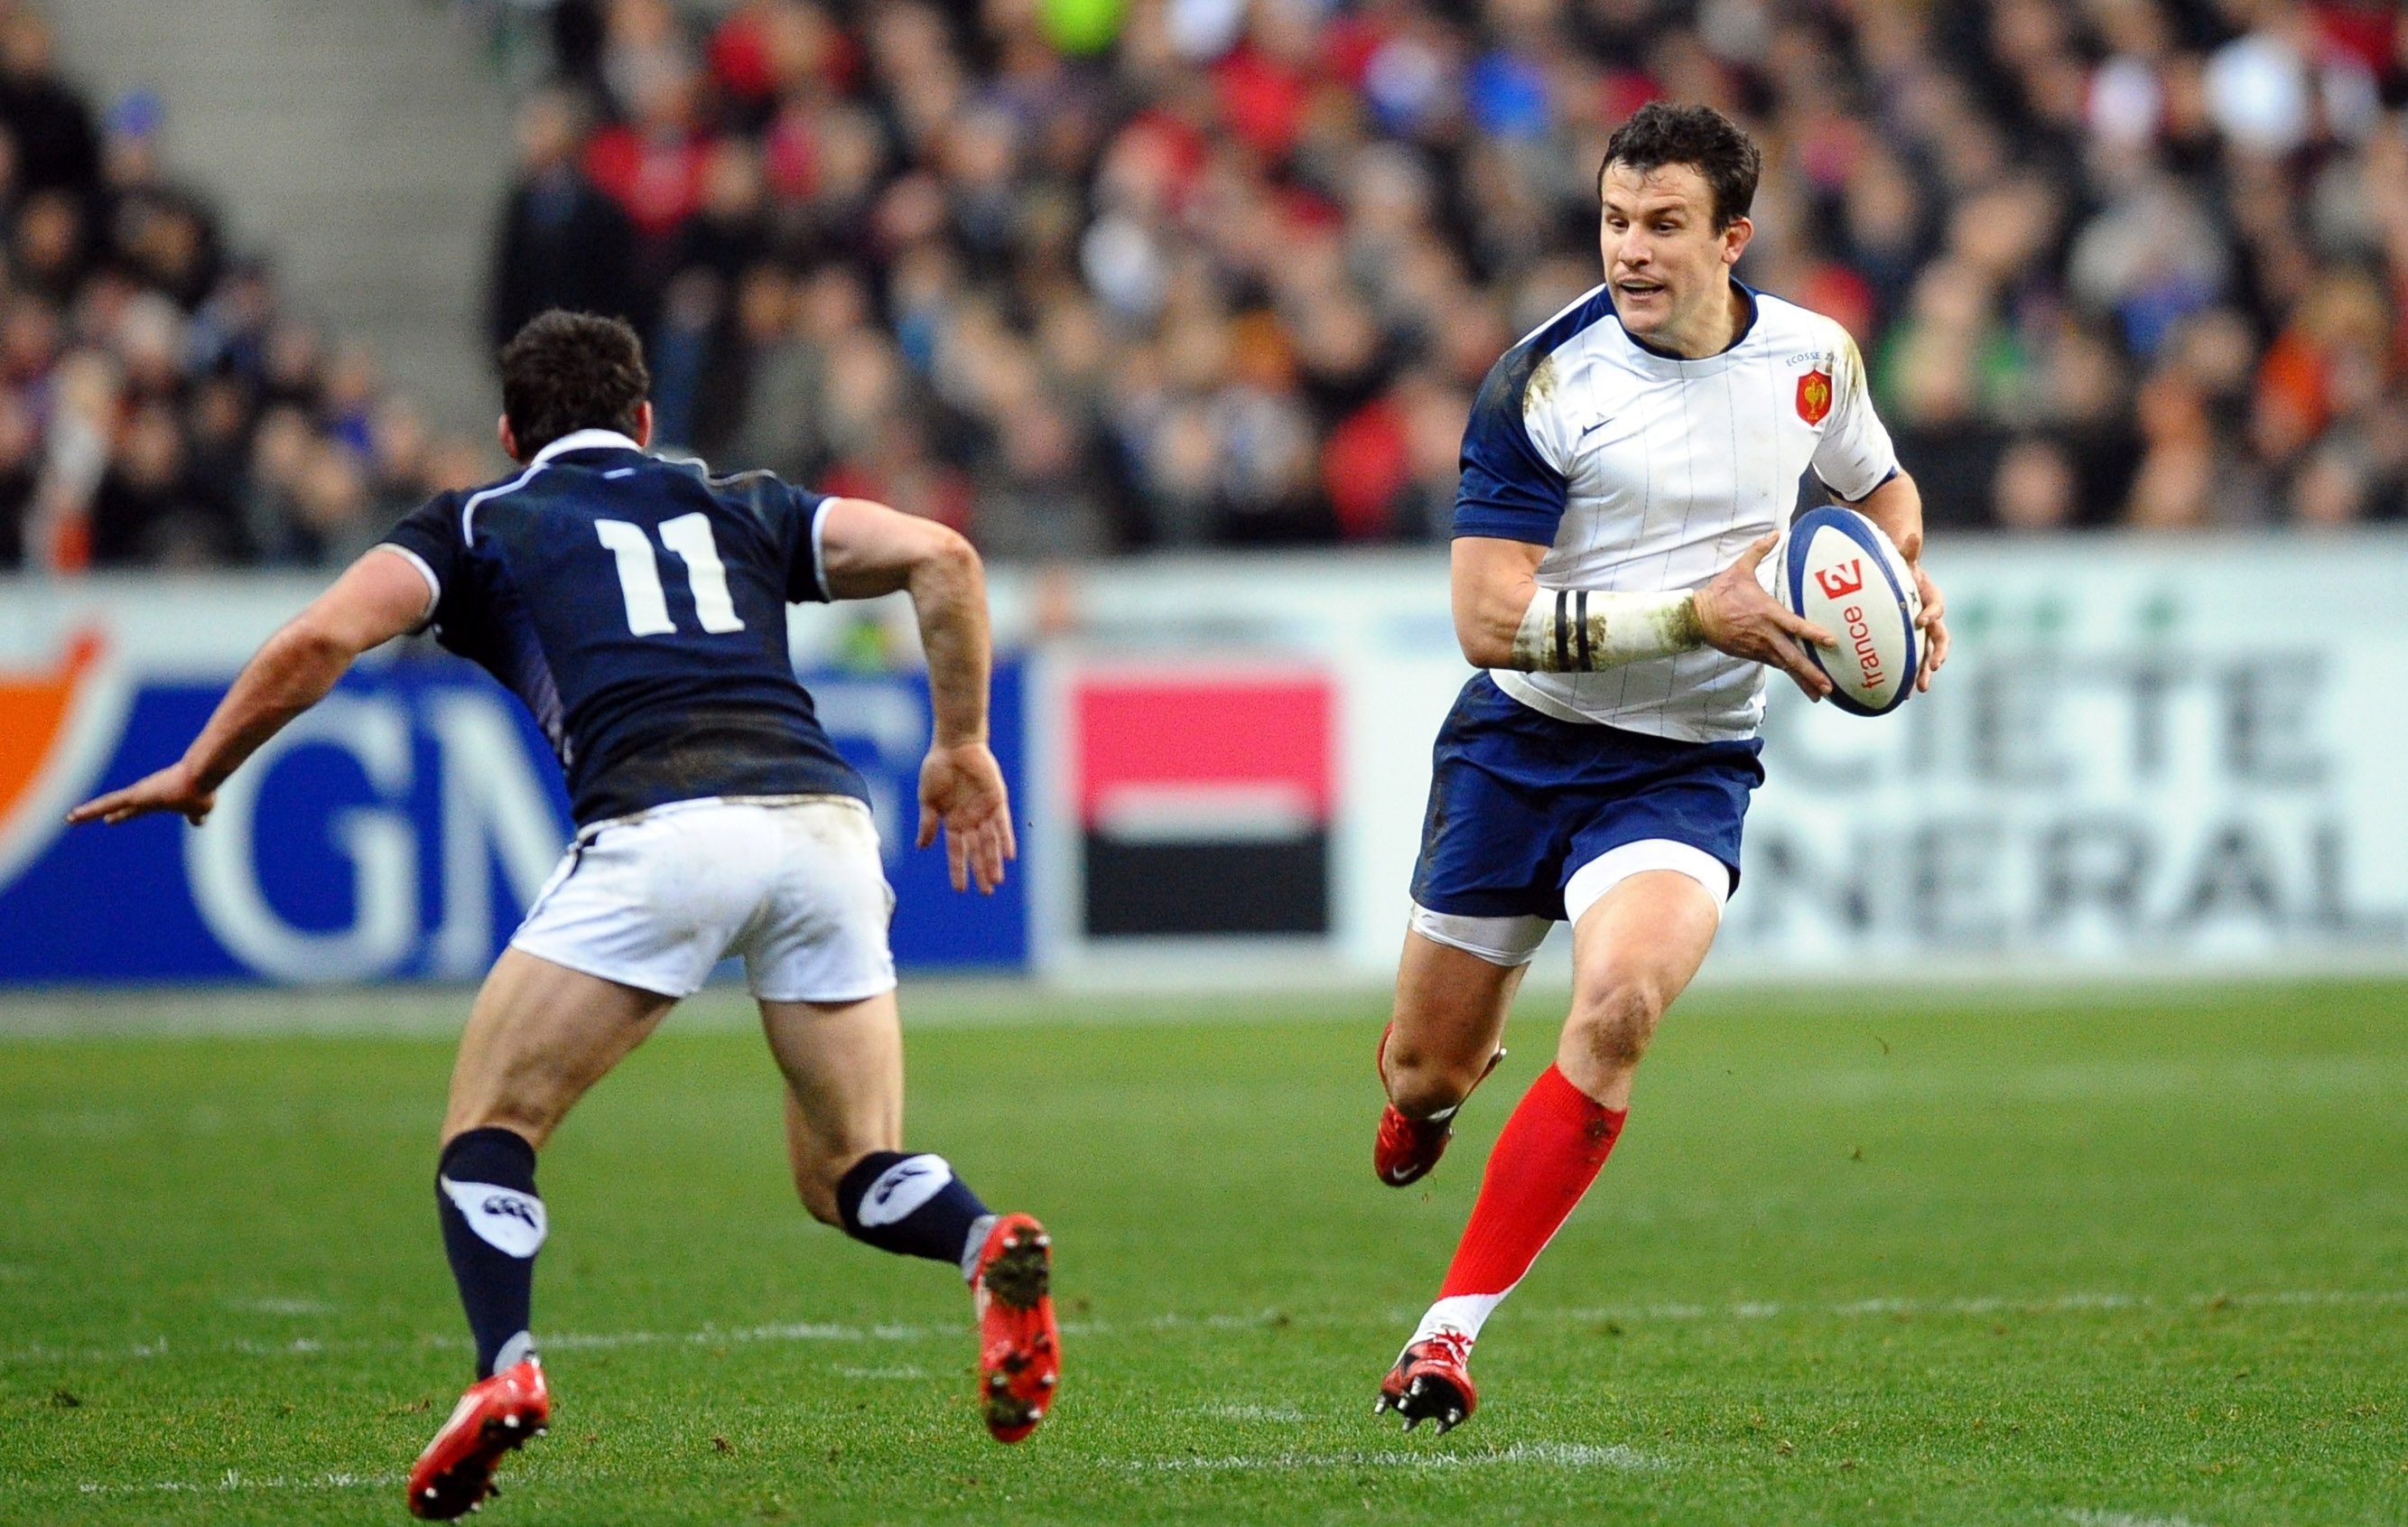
x,y
1450,1010
820,1172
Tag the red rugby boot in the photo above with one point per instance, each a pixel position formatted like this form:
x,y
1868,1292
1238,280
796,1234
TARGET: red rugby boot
x,y
1020,1347
1430,1382
456,1474
1407,1148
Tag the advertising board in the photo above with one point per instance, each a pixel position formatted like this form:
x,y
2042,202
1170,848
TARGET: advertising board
x,y
395,831
2145,756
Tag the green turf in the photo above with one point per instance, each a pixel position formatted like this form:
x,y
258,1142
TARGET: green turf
x,y
2110,1261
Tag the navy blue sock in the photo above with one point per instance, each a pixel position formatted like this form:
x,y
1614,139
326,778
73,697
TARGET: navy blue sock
x,y
492,1226
913,1206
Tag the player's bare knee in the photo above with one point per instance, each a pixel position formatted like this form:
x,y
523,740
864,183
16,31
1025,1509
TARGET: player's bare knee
x,y
1613,1024
1421,1081
1422,1093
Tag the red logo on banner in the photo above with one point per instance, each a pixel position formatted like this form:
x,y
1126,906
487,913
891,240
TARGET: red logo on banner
x,y
1205,797
1814,396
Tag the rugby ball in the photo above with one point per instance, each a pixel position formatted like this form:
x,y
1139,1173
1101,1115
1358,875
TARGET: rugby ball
x,y
1837,568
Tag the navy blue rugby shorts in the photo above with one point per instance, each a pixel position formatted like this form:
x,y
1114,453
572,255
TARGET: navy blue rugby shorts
x,y
1519,800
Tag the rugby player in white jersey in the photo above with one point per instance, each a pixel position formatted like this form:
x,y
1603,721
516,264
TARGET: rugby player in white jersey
x,y
1625,469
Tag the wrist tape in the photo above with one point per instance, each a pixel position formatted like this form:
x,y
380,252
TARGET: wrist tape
x,y
1579,630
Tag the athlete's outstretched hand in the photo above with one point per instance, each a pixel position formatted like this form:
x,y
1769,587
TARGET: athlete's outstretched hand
x,y
171,789
1736,615
961,789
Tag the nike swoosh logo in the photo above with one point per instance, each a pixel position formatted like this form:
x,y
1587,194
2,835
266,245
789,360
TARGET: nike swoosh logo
x,y
886,1189
1595,428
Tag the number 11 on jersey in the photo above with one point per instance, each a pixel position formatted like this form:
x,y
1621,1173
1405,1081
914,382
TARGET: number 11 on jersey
x,y
689,537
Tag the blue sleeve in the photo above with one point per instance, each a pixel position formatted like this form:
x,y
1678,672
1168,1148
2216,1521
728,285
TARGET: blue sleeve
x,y
1508,490
429,535
806,579
790,517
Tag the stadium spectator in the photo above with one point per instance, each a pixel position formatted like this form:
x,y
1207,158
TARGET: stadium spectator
x,y
54,146
563,243
1182,273
141,368
1214,272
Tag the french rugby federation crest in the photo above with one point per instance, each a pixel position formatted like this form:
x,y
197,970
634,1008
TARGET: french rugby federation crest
x,y
1814,396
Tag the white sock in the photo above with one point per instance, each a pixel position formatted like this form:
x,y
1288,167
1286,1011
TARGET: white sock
x,y
976,1244
1461,1315
514,1351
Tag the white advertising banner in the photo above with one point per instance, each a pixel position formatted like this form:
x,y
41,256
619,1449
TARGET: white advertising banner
x,y
2145,756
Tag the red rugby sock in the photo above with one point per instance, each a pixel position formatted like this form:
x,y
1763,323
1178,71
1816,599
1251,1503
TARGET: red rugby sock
x,y
1550,1152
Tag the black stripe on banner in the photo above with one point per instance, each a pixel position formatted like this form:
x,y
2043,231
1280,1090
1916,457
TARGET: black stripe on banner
x,y
1203,886
1563,637
1582,627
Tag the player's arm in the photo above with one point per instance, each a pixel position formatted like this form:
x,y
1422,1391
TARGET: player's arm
x,y
1504,619
1896,507
867,549
379,598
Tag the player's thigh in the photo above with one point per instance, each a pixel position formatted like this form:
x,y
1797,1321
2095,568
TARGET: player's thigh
x,y
540,1035
820,939
843,1066
1450,1003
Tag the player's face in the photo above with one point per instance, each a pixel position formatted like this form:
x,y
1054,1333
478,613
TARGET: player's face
x,y
1666,262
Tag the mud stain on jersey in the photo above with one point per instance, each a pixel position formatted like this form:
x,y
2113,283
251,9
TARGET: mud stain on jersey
x,y
1540,389
716,752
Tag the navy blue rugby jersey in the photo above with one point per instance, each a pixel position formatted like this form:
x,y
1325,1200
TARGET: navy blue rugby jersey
x,y
639,607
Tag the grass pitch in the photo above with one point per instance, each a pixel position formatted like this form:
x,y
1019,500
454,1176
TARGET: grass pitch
x,y
2120,1259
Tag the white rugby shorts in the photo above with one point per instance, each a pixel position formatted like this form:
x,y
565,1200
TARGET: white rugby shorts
x,y
793,883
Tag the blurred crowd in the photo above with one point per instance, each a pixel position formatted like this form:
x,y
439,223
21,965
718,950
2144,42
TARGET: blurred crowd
x,y
159,404
1084,275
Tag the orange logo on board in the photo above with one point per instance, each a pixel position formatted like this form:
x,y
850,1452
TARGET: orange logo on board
x,y
58,726
1814,396
36,706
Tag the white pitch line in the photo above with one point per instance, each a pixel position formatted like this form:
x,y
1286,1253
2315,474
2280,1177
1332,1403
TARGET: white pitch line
x,y
799,1331
234,1480
1579,1455
2083,1518
281,1306
2065,1304
1287,1414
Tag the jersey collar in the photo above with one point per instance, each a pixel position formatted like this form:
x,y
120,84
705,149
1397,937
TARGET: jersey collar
x,y
584,440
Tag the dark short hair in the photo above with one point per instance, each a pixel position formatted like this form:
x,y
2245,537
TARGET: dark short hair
x,y
1699,136
565,371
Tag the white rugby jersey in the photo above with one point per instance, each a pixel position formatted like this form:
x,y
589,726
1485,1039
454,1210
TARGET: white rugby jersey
x,y
1639,472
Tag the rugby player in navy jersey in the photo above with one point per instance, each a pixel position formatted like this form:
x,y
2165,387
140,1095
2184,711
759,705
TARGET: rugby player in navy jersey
x,y
637,606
